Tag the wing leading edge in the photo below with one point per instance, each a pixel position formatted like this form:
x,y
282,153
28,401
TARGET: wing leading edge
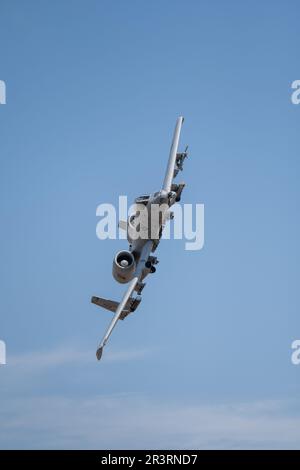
x,y
117,316
167,184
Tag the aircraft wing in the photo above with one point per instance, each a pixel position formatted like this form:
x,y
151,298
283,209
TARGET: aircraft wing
x,y
120,307
171,168
117,315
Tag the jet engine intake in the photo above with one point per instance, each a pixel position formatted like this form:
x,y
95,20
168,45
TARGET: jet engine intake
x,y
123,266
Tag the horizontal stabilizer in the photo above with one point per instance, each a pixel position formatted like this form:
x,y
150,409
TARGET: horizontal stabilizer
x,y
111,305
108,304
123,225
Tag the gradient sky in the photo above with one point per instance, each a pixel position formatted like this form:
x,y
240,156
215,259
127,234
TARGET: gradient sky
x,y
93,92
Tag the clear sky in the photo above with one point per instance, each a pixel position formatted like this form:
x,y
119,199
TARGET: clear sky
x,y
93,92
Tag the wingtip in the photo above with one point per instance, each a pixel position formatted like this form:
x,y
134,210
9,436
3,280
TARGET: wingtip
x,y
99,353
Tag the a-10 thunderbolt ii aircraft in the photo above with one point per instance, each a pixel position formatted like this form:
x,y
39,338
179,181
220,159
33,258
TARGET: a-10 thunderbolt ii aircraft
x,y
143,234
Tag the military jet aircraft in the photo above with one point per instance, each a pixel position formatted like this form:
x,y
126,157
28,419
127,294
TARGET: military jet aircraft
x,y
143,234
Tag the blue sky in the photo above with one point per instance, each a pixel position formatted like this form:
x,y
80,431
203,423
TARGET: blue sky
x,y
93,92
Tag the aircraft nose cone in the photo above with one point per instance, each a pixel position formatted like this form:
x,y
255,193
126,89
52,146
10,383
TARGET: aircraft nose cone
x,y
124,263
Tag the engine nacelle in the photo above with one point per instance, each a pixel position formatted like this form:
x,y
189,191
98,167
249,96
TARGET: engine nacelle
x,y
123,266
